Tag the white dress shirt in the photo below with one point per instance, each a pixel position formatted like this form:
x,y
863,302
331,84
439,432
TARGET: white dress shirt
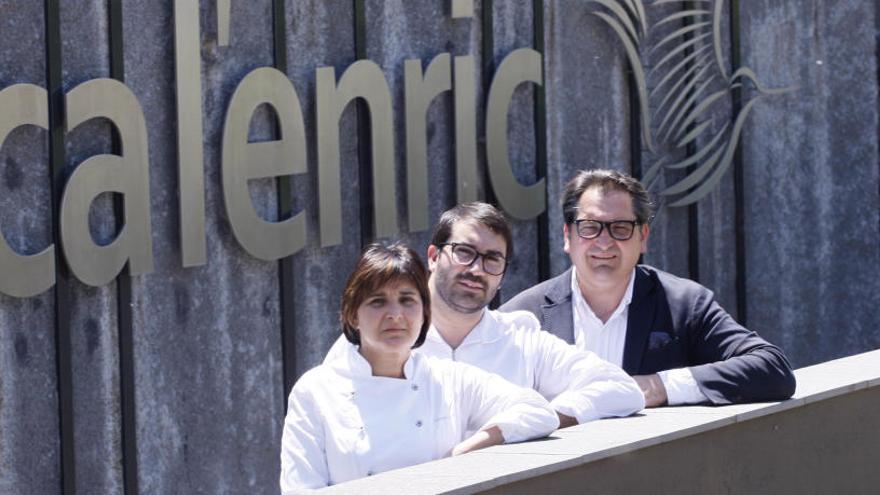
x,y
344,423
609,338
512,345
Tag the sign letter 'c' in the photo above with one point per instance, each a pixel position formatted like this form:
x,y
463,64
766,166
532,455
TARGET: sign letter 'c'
x,y
522,202
24,275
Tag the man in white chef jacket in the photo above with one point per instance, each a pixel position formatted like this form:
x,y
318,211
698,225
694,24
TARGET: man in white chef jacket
x,y
470,248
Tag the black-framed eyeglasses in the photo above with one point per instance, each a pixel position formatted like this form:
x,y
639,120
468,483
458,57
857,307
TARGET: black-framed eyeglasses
x,y
465,254
622,230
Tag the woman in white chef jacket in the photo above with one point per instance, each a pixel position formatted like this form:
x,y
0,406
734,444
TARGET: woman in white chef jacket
x,y
378,406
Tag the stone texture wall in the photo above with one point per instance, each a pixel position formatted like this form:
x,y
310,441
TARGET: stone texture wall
x,y
207,349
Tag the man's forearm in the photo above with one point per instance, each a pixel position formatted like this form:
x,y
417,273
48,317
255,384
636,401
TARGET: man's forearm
x,y
652,387
565,421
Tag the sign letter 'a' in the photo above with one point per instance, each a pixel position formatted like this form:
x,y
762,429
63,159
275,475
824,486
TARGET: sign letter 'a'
x,y
128,174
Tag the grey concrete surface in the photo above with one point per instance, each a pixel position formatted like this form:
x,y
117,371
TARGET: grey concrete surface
x,y
207,339
29,448
93,322
668,244
513,24
811,178
321,34
401,30
587,105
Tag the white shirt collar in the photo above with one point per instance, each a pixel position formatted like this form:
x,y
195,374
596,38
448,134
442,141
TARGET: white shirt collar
x,y
578,299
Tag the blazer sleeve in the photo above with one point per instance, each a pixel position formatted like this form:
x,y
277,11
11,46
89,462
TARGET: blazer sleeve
x,y
737,364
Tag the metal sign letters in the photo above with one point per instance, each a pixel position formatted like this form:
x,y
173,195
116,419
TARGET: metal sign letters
x,y
128,173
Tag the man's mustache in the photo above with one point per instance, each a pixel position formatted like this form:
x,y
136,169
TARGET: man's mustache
x,y
472,278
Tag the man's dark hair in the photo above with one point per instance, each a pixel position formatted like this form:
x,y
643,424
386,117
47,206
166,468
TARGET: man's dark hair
x,y
379,266
607,180
477,212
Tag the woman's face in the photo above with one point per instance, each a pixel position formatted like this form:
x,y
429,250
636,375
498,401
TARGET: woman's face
x,y
390,318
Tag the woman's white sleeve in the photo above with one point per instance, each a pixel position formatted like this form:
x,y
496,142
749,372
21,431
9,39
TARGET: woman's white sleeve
x,y
303,458
521,413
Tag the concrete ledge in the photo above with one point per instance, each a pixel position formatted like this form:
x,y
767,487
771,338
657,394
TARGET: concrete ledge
x,y
820,440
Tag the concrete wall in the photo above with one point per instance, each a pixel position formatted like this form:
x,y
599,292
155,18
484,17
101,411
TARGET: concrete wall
x,y
208,360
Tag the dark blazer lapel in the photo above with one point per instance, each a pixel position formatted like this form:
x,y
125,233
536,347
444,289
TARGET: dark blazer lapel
x,y
556,314
640,321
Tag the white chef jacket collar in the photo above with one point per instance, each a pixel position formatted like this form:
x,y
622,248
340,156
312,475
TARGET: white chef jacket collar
x,y
354,364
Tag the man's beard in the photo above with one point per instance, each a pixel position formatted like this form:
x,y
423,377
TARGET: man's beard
x,y
459,299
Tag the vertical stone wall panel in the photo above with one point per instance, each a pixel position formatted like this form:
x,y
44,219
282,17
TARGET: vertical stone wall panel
x,y
29,447
208,338
85,55
321,34
514,28
668,246
399,31
813,247
587,105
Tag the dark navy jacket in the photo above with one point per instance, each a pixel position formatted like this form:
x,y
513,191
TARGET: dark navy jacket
x,y
675,323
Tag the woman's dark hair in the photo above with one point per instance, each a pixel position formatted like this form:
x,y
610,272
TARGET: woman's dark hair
x,y
378,266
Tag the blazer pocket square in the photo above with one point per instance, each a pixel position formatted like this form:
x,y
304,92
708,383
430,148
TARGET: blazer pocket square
x,y
658,340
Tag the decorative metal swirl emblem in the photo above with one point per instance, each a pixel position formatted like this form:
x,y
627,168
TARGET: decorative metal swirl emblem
x,y
676,112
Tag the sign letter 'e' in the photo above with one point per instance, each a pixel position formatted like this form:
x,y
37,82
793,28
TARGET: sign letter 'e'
x,y
243,161
522,202
128,174
23,275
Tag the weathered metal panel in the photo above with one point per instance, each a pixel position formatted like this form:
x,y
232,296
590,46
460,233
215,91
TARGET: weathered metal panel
x,y
587,105
93,320
513,24
29,438
207,339
321,34
811,175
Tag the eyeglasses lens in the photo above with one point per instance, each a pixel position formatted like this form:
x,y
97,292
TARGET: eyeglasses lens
x,y
465,255
621,230
590,229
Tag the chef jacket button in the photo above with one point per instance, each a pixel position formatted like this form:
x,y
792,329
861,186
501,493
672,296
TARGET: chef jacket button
x,y
369,473
415,387
419,423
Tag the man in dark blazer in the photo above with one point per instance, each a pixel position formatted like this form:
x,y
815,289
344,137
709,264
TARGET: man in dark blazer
x,y
668,332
